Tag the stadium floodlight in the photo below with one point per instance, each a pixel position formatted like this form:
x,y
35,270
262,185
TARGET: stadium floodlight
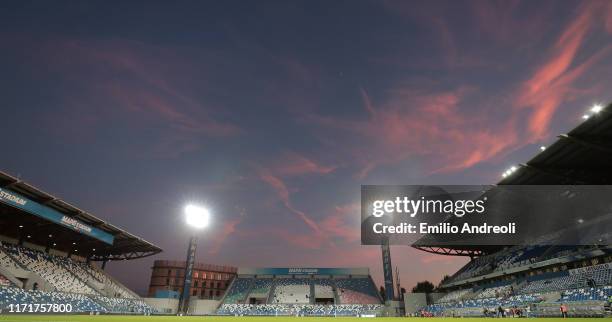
x,y
596,108
510,171
542,148
196,216
585,117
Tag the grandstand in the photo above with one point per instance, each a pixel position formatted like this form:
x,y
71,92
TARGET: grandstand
x,y
302,292
48,249
535,279
54,253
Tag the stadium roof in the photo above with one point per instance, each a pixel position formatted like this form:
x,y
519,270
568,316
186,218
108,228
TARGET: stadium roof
x,y
581,157
21,225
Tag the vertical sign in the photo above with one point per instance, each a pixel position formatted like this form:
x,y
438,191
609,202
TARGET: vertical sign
x,y
388,270
184,301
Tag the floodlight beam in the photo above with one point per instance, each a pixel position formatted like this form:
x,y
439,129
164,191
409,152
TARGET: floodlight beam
x,y
196,216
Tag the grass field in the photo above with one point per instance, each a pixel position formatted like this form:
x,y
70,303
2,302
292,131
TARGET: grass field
x,y
84,318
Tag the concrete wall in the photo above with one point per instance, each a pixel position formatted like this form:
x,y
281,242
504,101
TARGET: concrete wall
x,y
202,307
26,279
170,306
414,301
165,306
9,275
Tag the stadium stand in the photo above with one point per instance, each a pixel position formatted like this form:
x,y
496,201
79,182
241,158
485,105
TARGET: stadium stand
x,y
124,305
238,290
87,272
68,277
261,288
43,265
292,291
357,291
299,310
7,262
495,292
80,302
553,284
454,296
285,291
557,287
535,279
324,289
587,294
32,273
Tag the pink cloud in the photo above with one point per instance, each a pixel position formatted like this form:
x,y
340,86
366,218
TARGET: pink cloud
x,y
189,120
608,18
552,83
289,165
229,228
340,222
138,83
453,129
343,222
293,164
411,123
283,194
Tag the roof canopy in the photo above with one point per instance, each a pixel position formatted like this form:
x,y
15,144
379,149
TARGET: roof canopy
x,y
21,224
581,157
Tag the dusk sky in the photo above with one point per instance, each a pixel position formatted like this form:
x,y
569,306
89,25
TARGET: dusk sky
x,y
273,113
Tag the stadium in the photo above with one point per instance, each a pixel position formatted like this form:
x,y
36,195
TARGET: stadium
x,y
53,255
534,280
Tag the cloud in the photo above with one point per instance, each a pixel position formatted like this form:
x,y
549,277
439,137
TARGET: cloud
x,y
339,223
125,83
510,23
343,222
190,118
504,26
289,165
552,83
283,194
294,164
229,228
450,127
412,123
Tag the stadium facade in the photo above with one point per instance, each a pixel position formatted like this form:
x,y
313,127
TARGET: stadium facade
x,y
208,282
535,279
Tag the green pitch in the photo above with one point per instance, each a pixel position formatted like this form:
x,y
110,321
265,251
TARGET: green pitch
x,y
84,318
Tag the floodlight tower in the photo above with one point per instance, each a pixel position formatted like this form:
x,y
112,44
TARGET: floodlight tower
x,y
197,218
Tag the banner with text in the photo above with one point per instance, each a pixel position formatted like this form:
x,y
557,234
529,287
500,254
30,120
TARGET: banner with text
x,y
21,202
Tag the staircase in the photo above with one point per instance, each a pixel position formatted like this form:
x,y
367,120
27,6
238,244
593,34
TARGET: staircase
x,y
271,294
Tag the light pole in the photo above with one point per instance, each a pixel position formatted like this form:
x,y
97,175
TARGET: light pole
x,y
197,217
